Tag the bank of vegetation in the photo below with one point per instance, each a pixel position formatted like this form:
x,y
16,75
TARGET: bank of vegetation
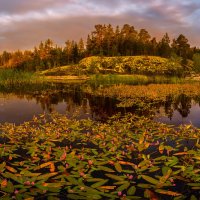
x,y
17,78
147,65
141,95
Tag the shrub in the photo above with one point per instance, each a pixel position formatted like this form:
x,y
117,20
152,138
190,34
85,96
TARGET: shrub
x,y
149,65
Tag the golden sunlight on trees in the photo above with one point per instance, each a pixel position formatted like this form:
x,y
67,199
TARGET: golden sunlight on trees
x,y
104,40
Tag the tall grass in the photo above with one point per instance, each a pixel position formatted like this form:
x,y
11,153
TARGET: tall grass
x,y
13,76
112,79
16,79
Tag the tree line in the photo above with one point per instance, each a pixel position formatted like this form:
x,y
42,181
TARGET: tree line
x,y
104,40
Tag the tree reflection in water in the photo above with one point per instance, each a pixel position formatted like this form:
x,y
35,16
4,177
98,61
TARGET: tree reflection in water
x,y
70,99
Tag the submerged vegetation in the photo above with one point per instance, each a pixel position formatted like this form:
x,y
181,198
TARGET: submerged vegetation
x,y
127,158
146,94
148,99
149,93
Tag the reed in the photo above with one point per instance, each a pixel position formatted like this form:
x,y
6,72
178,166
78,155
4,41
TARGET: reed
x,y
16,78
113,79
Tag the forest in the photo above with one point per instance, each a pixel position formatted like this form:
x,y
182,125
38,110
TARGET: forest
x,y
104,40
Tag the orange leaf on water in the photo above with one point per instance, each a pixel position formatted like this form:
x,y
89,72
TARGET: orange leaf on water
x,y
151,195
180,153
108,187
64,155
167,192
4,183
126,163
45,164
52,167
11,169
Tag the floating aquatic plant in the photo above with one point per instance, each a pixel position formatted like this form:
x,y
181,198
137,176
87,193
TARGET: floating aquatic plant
x,y
127,157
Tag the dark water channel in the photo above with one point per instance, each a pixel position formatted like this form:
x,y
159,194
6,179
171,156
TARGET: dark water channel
x,y
17,107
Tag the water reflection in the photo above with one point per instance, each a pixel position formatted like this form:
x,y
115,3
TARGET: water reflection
x,y
181,110
70,100
182,104
17,108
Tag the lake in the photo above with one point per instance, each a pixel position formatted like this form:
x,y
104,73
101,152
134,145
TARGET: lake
x,y
17,107
57,157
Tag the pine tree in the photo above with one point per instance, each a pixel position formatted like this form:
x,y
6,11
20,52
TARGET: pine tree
x,y
164,46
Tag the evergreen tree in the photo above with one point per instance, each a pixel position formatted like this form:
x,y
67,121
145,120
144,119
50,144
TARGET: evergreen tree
x,y
153,47
104,40
144,39
81,48
164,48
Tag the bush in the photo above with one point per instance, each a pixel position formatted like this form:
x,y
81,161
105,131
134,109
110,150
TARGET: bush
x,y
149,65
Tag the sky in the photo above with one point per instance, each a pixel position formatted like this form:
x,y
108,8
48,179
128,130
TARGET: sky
x,y
25,23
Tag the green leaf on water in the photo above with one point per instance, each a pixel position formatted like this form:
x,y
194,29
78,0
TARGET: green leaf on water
x,y
120,182
75,196
118,167
2,166
30,174
194,184
94,179
115,177
72,180
41,187
165,170
98,184
94,196
134,197
154,169
131,190
106,169
150,179
46,176
54,185
123,187
193,198
13,177
146,186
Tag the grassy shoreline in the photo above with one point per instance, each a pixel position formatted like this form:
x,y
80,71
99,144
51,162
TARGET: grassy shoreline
x,y
16,77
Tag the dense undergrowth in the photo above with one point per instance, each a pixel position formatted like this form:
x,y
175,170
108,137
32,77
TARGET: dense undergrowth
x,y
146,65
69,70
149,65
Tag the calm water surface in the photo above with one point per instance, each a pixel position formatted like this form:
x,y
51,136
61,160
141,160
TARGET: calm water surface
x,y
17,108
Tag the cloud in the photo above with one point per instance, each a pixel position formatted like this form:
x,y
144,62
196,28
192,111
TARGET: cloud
x,y
25,23
23,6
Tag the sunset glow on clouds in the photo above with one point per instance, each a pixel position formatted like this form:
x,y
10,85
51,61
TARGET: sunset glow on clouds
x,y
25,23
